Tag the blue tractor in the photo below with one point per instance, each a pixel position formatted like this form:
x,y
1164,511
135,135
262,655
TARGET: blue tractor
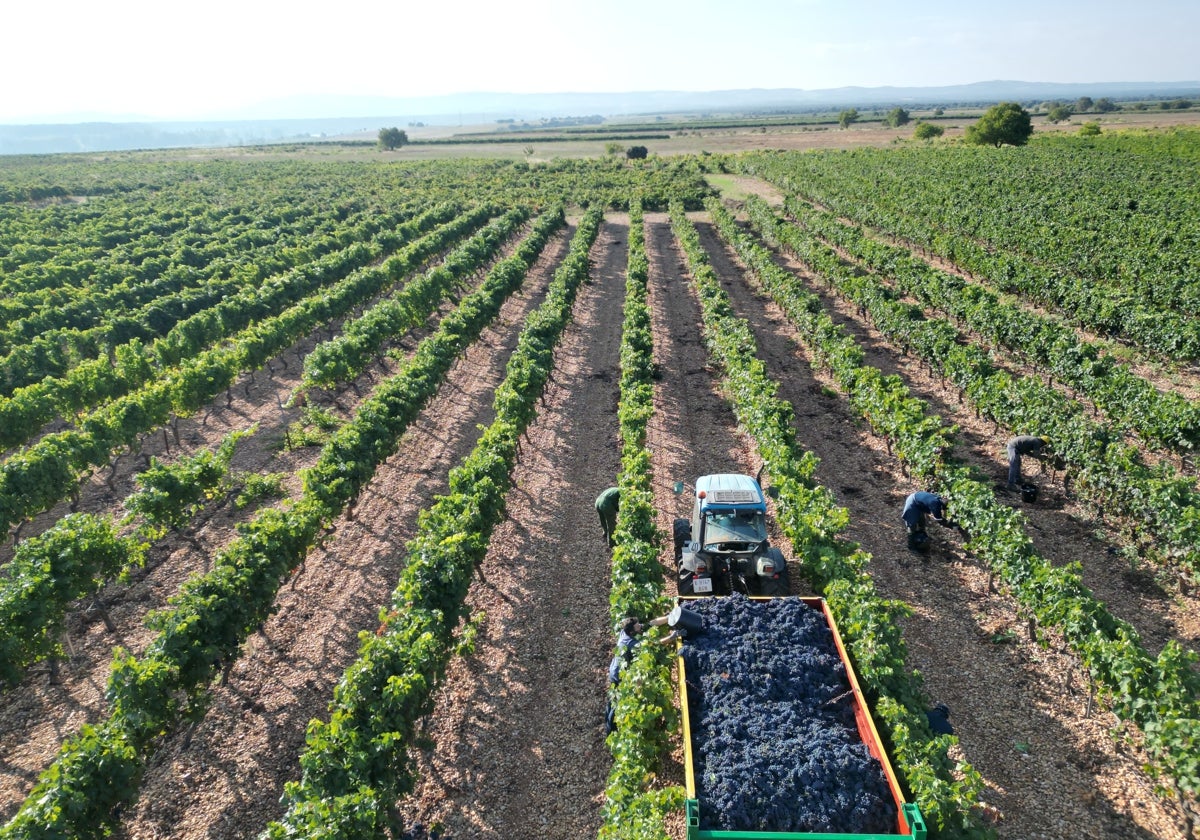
x,y
724,547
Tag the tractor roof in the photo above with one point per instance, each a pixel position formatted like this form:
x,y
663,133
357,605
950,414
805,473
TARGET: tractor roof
x,y
729,489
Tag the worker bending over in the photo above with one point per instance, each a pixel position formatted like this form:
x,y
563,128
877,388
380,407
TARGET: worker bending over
x,y
607,505
918,506
627,639
1018,446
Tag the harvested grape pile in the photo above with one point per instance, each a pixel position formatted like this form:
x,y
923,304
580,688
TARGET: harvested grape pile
x,y
774,738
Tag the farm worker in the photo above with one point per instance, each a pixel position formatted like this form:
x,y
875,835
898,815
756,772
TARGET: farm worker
x,y
921,504
627,639
607,504
1018,446
939,720
916,507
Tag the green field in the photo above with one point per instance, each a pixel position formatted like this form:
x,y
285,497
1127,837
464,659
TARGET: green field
x,y
215,366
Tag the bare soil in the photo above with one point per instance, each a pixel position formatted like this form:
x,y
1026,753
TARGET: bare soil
x,y
682,140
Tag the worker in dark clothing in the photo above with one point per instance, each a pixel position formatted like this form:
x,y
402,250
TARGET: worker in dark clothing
x,y
921,504
1018,446
627,639
607,504
939,720
916,507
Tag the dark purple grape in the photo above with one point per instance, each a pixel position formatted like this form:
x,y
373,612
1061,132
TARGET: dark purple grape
x,y
776,747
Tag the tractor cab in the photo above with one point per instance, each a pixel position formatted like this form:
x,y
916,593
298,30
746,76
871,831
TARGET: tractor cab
x,y
724,546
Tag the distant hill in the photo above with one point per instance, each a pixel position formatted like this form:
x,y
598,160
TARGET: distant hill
x,y
542,105
307,118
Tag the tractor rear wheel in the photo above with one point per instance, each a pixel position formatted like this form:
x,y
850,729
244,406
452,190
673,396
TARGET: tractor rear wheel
x,y
681,530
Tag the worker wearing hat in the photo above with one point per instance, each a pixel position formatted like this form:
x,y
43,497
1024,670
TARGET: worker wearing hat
x,y
629,632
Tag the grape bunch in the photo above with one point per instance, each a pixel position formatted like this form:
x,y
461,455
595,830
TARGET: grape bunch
x,y
775,743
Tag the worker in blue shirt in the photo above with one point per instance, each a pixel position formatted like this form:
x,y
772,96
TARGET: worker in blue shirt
x,y
918,506
921,504
627,639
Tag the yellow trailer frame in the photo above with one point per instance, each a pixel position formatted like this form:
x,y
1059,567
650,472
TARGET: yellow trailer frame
x,y
909,822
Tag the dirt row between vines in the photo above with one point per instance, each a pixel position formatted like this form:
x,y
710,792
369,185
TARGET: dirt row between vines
x,y
514,745
1018,708
224,779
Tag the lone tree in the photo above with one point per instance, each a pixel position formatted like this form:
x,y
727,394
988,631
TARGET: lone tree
x,y
927,131
636,152
845,118
1059,113
1006,123
392,138
896,118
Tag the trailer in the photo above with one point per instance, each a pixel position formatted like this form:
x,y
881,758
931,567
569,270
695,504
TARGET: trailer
x,y
779,743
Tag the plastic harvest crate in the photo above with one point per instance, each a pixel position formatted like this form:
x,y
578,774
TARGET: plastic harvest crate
x,y
909,822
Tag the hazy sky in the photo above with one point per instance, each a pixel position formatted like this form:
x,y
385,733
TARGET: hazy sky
x,y
169,60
